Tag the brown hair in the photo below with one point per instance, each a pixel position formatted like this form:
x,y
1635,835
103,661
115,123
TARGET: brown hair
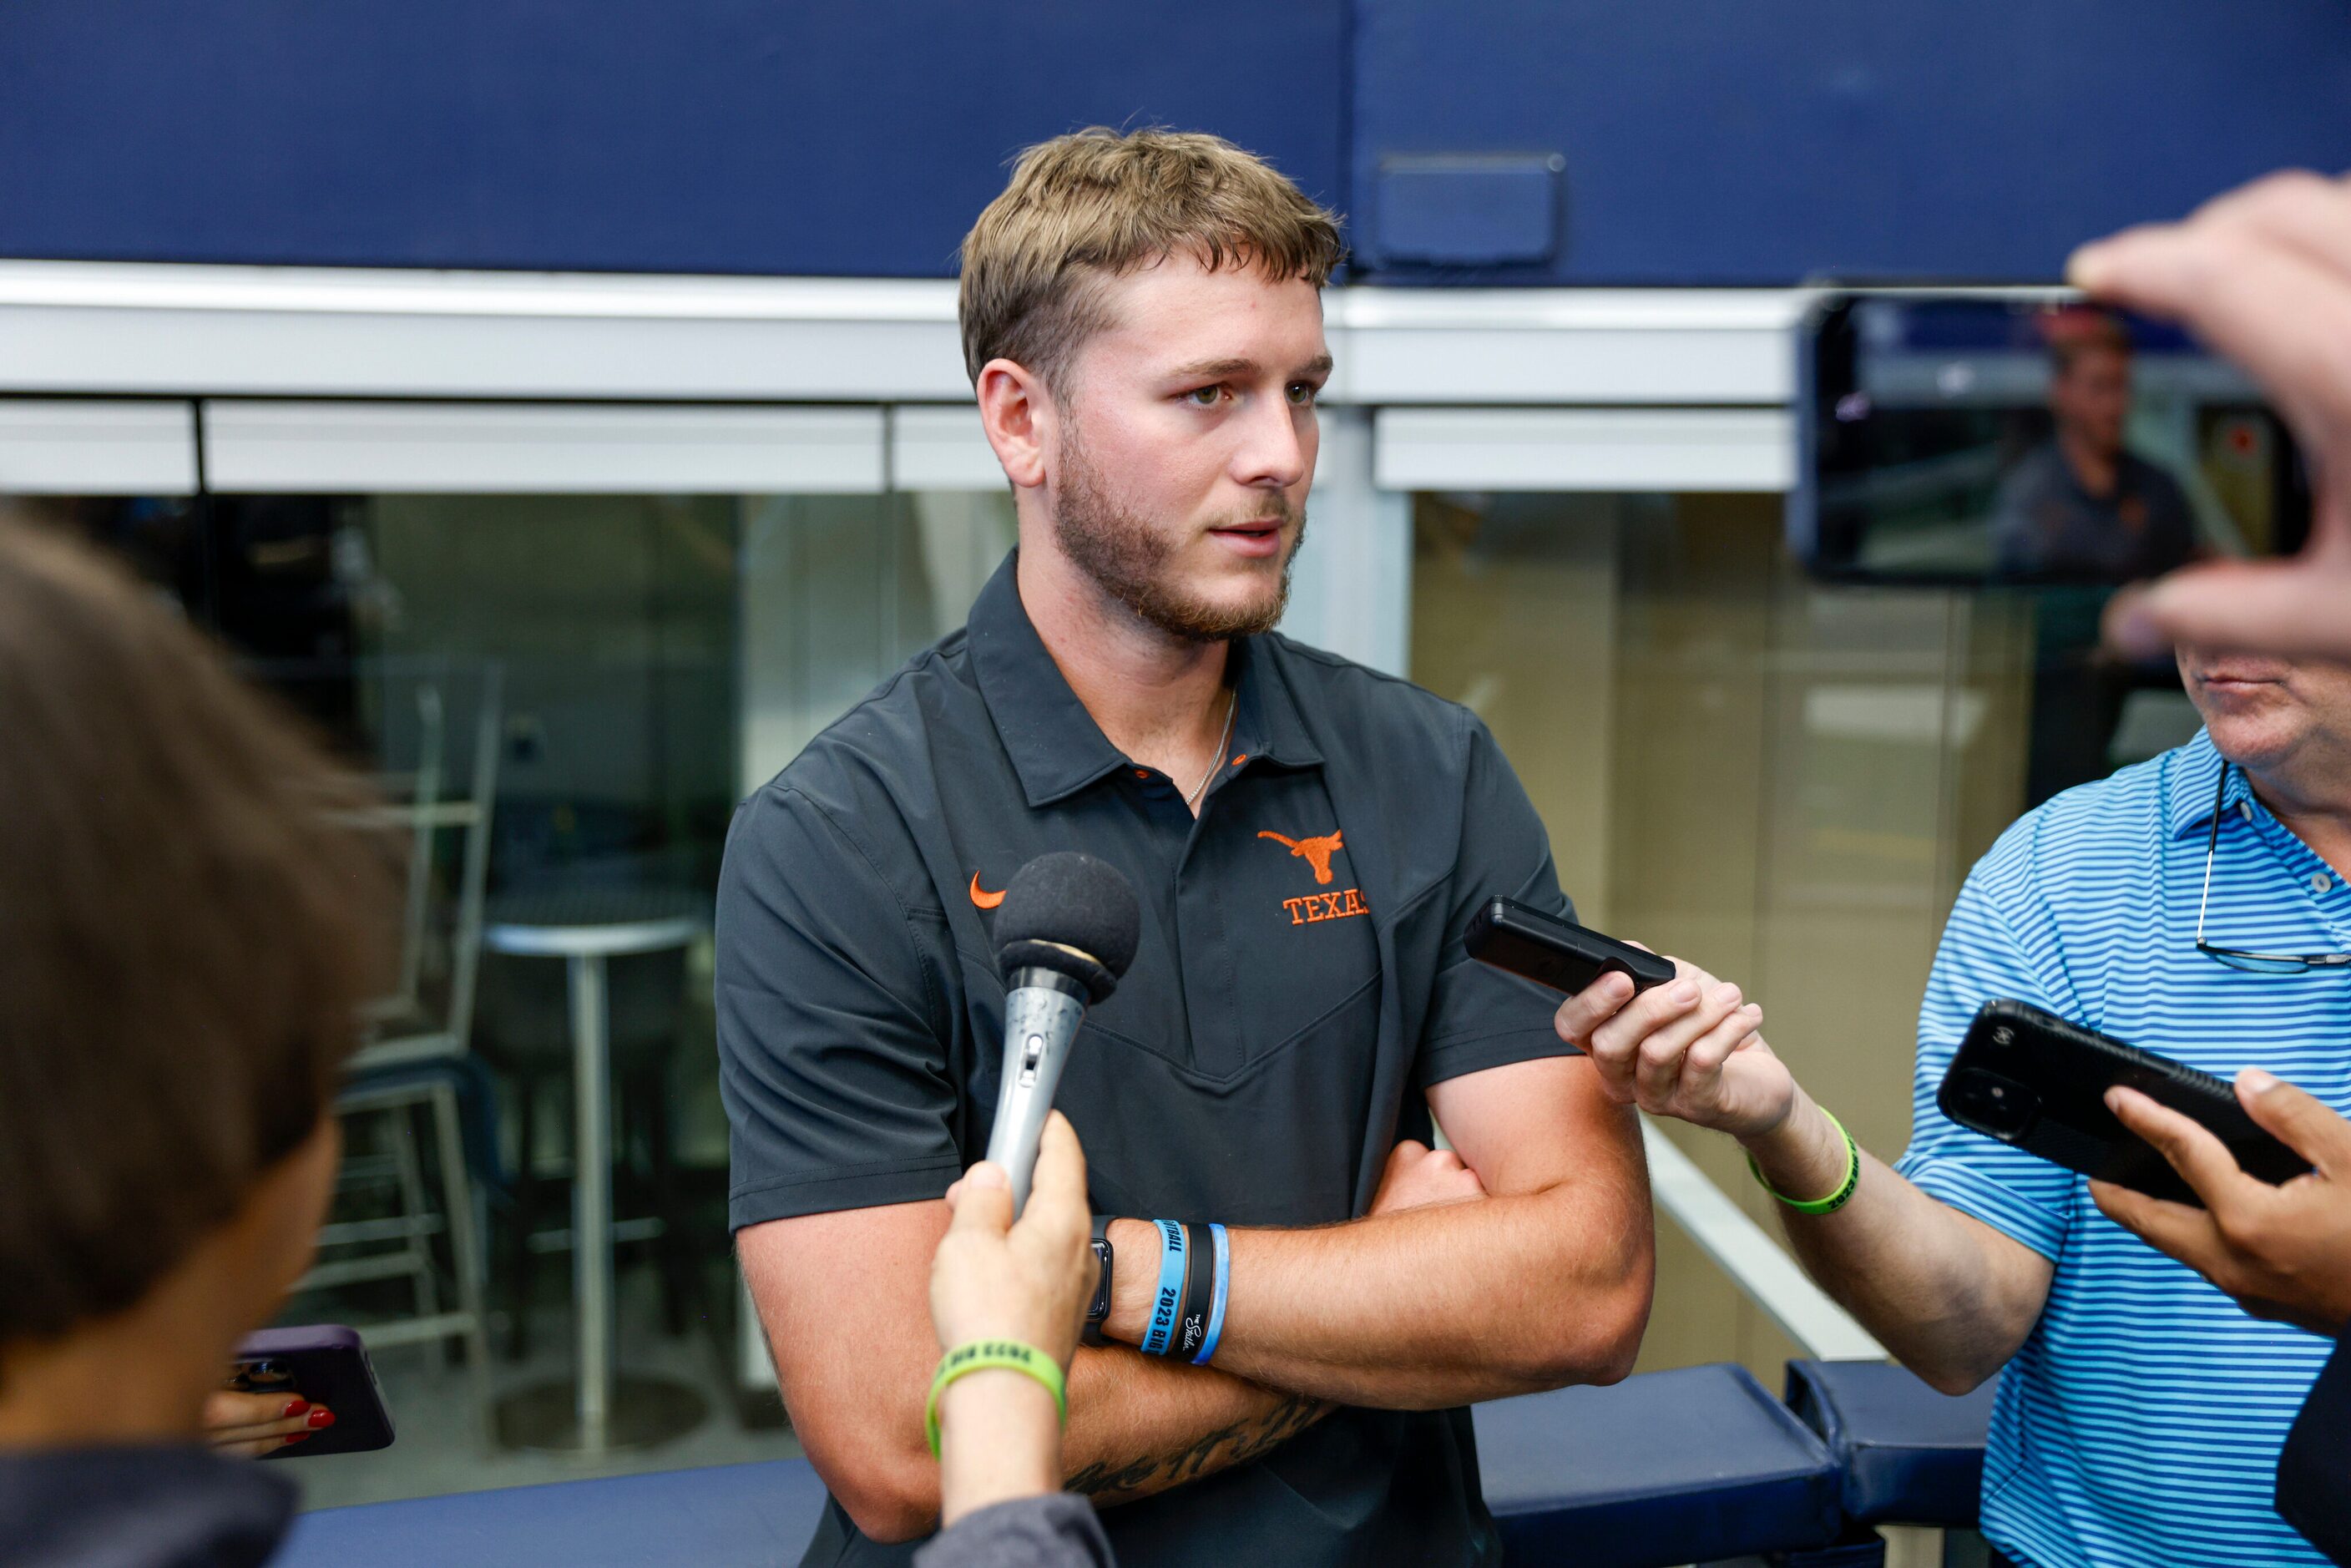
x,y
189,924
1096,205
2080,330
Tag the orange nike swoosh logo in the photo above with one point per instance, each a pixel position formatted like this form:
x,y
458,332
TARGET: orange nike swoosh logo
x,y
983,900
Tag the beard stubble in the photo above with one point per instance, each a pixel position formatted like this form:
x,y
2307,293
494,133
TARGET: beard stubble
x,y
1129,561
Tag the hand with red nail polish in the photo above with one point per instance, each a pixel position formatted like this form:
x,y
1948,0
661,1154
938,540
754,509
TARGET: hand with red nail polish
x,y
252,1424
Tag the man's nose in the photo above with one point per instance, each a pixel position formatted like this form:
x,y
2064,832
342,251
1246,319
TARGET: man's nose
x,y
1276,446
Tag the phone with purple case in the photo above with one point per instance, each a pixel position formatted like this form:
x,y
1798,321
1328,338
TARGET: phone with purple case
x,y
326,1363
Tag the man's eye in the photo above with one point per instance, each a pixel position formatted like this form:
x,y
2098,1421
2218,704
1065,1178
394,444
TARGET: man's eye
x,y
1302,392
1204,397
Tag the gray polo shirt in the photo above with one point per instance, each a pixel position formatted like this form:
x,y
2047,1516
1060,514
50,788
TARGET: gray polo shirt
x,y
1300,982
2046,526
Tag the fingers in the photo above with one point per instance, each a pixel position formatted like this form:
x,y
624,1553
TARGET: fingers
x,y
2263,276
2202,1161
2304,212
2271,309
1659,1063
1712,1049
2291,607
1592,1007
2303,1125
1057,1192
2185,1233
226,1408
246,1425
983,1200
1612,1043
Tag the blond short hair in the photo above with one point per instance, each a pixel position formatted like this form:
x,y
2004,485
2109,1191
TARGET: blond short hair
x,y
1098,203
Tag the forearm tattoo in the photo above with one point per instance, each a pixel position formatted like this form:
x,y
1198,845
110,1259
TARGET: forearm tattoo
x,y
1234,1445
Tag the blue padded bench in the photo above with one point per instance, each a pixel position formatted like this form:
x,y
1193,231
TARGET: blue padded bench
x,y
1909,1455
1666,1468
724,1516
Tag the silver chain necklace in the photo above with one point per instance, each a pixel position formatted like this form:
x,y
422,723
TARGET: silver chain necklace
x,y
1193,796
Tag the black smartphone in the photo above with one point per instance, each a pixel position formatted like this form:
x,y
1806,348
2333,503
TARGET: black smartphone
x,y
327,1364
1938,430
2029,1077
1554,952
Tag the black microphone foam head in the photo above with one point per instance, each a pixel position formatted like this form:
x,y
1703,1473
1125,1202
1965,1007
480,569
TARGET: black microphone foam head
x,y
1073,914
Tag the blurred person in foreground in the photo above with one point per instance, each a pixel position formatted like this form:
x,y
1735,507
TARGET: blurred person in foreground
x,y
186,936
2263,276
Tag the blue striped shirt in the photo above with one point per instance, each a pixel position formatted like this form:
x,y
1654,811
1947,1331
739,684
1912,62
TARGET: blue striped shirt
x,y
2141,1421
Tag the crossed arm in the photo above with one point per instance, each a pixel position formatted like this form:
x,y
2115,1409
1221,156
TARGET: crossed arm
x,y
1950,1296
1535,1274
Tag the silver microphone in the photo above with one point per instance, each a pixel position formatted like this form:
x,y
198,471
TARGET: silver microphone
x,y
1065,934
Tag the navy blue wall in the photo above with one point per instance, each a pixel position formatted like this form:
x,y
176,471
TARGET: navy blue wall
x,y
1696,140
1743,142
685,136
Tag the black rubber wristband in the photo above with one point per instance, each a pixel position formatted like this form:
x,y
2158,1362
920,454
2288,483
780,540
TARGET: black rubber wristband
x,y
1199,1295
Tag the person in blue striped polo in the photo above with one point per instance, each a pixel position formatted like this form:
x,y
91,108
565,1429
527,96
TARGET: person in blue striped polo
x,y
2263,274
2142,1413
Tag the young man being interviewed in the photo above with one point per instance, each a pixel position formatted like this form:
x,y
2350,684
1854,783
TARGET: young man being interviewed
x,y
1307,837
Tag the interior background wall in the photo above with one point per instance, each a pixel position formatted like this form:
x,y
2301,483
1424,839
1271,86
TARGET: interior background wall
x,y
693,136
1707,142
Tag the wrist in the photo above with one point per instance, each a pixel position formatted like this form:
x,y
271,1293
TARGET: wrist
x,y
1135,1281
1804,1155
1000,1438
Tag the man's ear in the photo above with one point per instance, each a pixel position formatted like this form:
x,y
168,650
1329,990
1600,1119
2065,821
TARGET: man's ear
x,y
1017,413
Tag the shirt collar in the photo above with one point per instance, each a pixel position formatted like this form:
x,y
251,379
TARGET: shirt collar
x,y
1265,721
1056,747
2193,770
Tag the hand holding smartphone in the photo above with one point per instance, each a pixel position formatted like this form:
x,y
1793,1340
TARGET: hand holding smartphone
x,y
1557,953
2031,1080
327,1364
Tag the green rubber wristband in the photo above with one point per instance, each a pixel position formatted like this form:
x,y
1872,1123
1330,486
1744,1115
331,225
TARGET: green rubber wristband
x,y
1835,1200
982,1355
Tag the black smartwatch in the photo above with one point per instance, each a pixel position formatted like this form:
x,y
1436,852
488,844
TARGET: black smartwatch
x,y
1098,1308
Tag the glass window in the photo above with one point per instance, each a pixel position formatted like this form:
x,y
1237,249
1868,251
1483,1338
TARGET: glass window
x,y
627,666
1782,781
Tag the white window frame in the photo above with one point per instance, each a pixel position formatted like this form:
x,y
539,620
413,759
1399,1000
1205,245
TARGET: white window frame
x,y
263,446
96,447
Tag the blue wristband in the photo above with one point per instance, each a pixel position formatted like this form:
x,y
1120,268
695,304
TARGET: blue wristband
x,y
1221,1249
1169,1302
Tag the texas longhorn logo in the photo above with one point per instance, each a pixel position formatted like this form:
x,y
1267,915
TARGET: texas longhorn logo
x,y
1318,907
1316,853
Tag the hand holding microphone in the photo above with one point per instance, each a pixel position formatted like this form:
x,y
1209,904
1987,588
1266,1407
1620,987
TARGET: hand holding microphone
x,y
1065,934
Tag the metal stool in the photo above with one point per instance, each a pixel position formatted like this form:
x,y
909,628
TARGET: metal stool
x,y
416,1060
597,1410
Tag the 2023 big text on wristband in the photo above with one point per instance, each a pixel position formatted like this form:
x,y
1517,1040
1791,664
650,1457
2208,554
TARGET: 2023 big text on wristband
x,y
1187,1303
